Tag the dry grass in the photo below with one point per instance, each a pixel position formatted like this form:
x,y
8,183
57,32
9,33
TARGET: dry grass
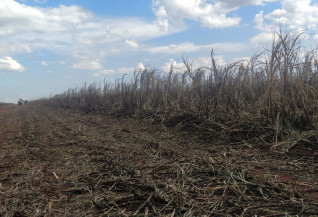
x,y
277,88
229,140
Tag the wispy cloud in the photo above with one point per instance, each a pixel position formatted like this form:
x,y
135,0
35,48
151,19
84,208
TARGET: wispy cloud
x,y
121,71
234,4
191,47
43,63
132,44
103,72
40,1
199,62
88,64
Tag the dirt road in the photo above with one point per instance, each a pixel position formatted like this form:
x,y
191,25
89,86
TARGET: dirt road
x,y
55,162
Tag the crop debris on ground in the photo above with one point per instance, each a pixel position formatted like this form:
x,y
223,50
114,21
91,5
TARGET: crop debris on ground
x,y
230,140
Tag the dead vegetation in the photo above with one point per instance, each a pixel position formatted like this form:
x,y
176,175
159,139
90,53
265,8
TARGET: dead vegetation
x,y
234,140
269,100
65,163
277,88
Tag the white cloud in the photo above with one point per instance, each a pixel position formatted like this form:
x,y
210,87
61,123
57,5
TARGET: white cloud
x,y
103,72
76,32
141,66
174,48
174,65
43,63
134,29
9,47
296,15
19,18
88,64
209,13
234,4
191,47
122,70
132,44
212,15
7,64
125,70
200,62
70,30
40,1
24,28
205,62
162,16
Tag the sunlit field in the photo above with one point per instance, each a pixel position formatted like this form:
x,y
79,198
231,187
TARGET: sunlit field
x,y
236,139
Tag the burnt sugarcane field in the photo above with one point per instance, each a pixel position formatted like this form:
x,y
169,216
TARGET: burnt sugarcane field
x,y
236,139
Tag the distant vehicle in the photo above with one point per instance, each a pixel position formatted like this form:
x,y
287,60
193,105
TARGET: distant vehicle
x,y
21,102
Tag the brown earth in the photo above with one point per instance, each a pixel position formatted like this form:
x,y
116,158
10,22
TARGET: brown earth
x,y
56,162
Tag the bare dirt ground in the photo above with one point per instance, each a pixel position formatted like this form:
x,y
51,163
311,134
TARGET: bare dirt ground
x,y
55,162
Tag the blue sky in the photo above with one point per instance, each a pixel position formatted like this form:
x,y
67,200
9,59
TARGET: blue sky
x,y
47,47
